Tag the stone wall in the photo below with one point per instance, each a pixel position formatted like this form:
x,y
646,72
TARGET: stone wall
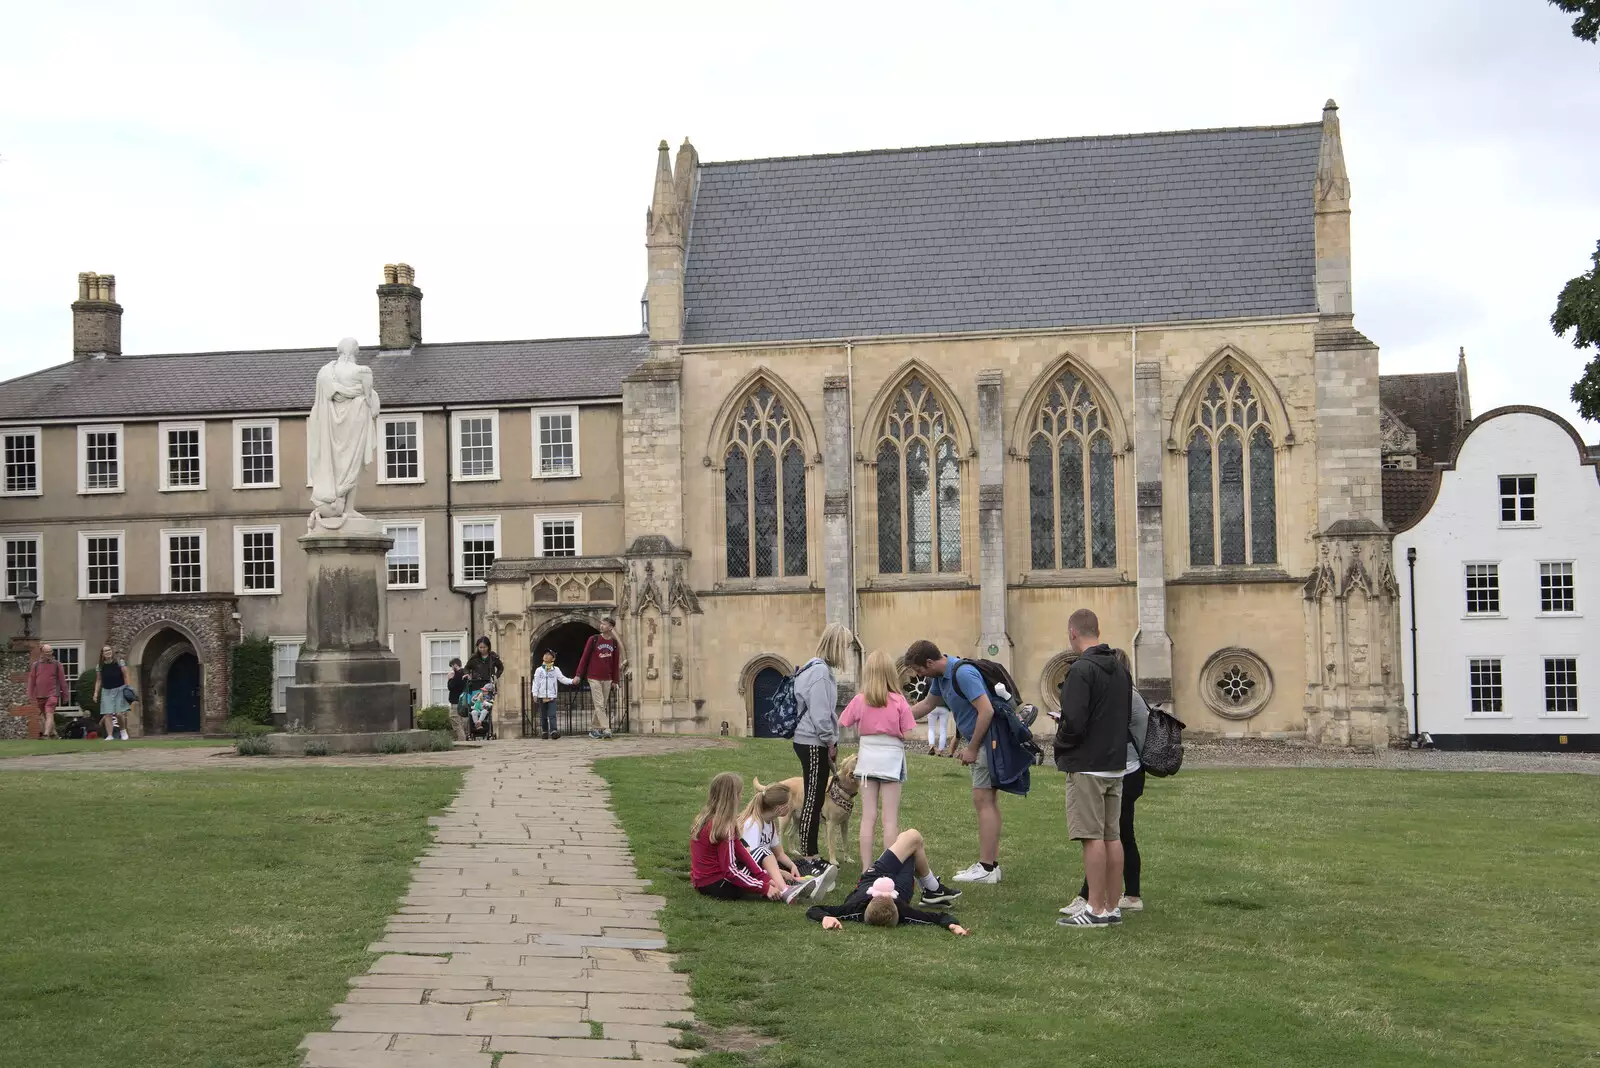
x,y
205,620
18,718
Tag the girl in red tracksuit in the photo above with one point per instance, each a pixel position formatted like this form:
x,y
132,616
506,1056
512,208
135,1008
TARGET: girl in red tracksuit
x,y
719,864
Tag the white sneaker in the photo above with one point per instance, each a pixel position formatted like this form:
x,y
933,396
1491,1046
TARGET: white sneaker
x,y
1076,906
977,874
1132,904
826,882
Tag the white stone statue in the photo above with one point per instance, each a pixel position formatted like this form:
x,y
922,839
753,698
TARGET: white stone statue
x,y
341,438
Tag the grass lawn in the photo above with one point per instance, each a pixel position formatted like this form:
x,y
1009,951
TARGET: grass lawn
x,y
55,746
195,918
1295,917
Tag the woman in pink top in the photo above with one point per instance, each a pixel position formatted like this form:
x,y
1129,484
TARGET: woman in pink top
x,y
883,716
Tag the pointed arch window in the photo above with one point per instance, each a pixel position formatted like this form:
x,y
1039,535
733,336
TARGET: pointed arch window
x,y
1072,514
1232,475
919,486
764,491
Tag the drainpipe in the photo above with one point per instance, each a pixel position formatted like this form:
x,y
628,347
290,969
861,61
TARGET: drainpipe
x,y
1416,715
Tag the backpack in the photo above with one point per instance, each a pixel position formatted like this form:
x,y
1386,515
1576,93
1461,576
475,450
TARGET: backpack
x,y
783,714
995,676
1163,744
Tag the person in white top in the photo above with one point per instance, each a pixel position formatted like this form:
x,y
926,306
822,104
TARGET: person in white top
x,y
759,832
546,680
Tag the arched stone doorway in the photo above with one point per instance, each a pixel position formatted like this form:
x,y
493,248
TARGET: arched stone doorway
x,y
566,638
758,682
147,628
173,694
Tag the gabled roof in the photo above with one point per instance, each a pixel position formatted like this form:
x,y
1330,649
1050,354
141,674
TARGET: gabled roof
x,y
1195,225
1430,404
203,383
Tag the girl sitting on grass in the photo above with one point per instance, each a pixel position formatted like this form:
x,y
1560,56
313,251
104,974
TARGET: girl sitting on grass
x,y
719,864
882,897
759,834
884,717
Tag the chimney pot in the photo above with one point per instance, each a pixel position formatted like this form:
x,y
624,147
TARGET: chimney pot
x,y
399,308
96,317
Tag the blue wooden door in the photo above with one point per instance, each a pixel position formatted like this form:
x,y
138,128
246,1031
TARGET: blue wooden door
x,y
765,685
183,695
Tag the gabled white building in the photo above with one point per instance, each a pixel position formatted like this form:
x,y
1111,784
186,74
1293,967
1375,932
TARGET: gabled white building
x,y
1501,600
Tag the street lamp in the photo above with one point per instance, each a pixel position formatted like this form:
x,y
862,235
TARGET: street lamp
x,y
27,601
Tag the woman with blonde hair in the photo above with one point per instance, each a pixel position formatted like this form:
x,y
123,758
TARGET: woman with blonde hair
x,y
883,716
816,735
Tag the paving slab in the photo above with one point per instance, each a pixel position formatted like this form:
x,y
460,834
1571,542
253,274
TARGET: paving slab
x,y
525,924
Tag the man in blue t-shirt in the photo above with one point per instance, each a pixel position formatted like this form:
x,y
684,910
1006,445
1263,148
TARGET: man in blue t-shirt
x,y
957,685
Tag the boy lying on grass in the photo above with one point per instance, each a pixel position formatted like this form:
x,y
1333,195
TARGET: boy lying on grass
x,y
882,897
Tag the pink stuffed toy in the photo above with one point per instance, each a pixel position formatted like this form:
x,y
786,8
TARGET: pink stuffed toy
x,y
883,886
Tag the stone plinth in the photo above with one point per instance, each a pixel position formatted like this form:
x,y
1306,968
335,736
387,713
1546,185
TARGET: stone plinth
x,y
347,681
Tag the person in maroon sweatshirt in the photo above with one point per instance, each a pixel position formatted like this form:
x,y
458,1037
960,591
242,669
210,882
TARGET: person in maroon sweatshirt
x,y
601,665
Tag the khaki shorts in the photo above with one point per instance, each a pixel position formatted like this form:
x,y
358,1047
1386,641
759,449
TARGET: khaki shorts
x,y
982,779
1094,807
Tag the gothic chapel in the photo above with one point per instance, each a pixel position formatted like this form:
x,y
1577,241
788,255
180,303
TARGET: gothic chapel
x,y
957,392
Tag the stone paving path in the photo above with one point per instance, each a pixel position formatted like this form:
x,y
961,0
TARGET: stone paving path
x,y
526,931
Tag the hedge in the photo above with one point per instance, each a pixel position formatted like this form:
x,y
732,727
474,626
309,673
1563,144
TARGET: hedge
x,y
250,695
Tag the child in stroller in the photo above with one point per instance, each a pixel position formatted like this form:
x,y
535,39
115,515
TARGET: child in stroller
x,y
480,712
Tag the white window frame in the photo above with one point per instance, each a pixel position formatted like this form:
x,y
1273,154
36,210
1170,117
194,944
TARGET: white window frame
x,y
166,556
83,564
422,554
424,688
539,523
37,433
38,556
164,447
534,415
1499,502
83,457
383,451
462,521
1544,712
280,640
239,427
1575,613
1499,591
277,559
1501,660
72,683
456,418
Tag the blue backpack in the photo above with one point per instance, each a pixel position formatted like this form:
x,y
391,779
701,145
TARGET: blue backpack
x,y
783,715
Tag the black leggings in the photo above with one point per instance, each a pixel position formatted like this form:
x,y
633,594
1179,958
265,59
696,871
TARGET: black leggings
x,y
727,890
814,768
1132,789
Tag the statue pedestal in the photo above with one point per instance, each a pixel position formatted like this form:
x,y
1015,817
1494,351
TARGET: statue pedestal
x,y
347,681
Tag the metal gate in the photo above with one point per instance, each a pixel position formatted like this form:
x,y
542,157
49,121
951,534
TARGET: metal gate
x,y
575,711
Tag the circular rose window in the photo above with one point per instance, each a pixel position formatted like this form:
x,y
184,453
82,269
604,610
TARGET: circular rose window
x,y
914,686
1235,683
1051,678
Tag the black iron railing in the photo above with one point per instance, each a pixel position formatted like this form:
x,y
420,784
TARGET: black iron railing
x,y
575,711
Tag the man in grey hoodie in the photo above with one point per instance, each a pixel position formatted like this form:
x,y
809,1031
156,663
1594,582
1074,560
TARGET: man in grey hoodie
x,y
816,735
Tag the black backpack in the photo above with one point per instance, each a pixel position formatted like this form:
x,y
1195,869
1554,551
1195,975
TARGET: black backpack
x,y
995,676
1163,744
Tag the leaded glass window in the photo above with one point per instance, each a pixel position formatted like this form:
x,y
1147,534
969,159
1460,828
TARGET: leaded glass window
x,y
1233,504
1071,495
764,490
919,486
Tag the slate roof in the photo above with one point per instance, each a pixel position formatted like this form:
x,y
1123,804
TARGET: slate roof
x,y
1430,404
463,373
1201,224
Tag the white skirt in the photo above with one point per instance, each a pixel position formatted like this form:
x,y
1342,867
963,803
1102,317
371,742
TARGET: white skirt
x,y
881,757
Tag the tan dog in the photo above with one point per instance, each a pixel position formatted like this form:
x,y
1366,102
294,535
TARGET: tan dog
x,y
835,817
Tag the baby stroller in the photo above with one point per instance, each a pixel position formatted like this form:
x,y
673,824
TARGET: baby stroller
x,y
480,712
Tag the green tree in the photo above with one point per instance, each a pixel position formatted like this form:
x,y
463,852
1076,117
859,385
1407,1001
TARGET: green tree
x,y
1578,306
1586,27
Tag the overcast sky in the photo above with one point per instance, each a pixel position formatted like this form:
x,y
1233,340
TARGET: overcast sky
x,y
245,169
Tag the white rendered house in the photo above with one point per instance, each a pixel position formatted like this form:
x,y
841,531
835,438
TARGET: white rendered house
x,y
1500,602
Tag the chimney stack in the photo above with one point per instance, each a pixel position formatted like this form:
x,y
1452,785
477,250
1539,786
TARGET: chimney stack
x,y
96,317
399,308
